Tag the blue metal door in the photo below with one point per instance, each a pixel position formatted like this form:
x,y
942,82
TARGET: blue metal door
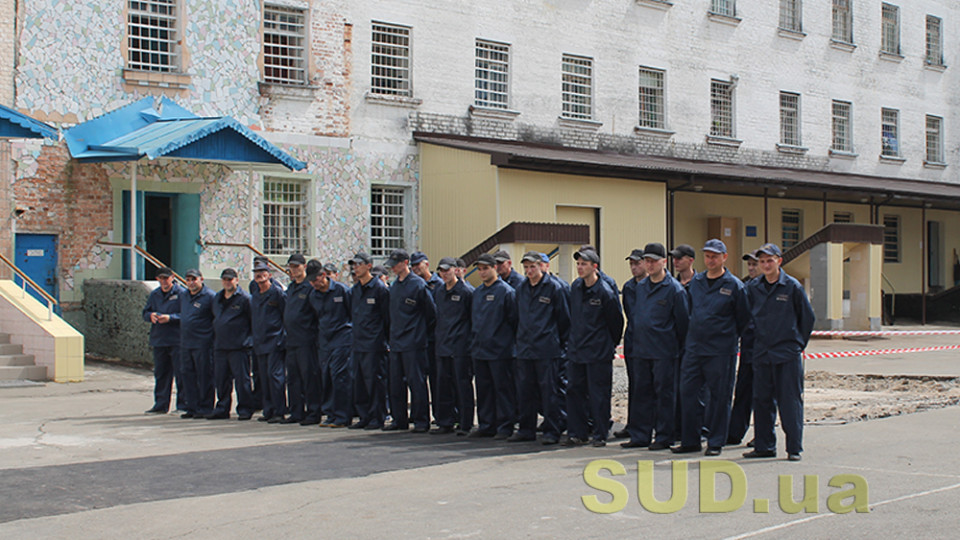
x,y
36,256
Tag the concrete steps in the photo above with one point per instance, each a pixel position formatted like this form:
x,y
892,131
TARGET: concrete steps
x,y
14,365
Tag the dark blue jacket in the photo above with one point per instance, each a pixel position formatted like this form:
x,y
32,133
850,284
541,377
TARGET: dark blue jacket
x,y
371,316
719,314
608,280
299,318
412,314
231,321
434,282
196,319
334,314
596,322
267,319
660,318
453,330
629,292
514,279
783,318
543,319
165,303
494,321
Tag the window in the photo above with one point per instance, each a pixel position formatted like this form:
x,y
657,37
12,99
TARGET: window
x,y
652,110
890,132
577,87
723,7
842,127
891,239
721,109
152,35
890,29
390,60
790,227
791,15
934,55
843,21
843,217
492,75
934,139
789,118
284,36
386,220
285,222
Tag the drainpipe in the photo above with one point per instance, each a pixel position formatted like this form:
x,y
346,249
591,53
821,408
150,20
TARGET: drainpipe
x,y
923,264
133,220
766,224
824,209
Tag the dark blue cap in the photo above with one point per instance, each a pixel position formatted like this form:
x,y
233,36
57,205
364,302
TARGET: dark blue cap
x,y
715,245
770,249
418,257
397,257
544,258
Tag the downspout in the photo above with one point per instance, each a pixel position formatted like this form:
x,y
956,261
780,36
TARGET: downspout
x,y
923,264
766,224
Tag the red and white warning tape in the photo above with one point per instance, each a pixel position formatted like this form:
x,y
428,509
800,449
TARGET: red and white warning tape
x,y
875,352
842,333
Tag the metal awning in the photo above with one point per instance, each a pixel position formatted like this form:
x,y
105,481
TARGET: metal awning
x,y
16,125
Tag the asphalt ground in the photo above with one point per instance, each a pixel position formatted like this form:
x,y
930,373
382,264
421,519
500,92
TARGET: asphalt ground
x,y
83,461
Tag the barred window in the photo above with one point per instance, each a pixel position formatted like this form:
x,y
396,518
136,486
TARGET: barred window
x,y
791,225
284,36
152,35
891,239
791,15
721,109
652,107
285,221
492,87
387,217
934,139
843,21
577,87
890,29
842,126
934,54
843,217
890,132
790,118
390,60
723,7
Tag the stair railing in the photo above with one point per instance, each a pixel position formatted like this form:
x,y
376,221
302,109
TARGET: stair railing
x,y
25,280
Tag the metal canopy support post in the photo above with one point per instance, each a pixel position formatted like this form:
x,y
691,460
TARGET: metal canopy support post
x,y
133,220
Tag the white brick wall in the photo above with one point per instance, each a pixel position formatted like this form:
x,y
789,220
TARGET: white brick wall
x,y
622,34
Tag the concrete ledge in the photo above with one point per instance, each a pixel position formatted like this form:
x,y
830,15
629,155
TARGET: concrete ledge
x,y
54,344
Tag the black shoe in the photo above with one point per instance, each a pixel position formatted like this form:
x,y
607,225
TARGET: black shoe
x,y
263,419
187,415
477,434
275,419
358,425
462,433
155,410
760,454
597,443
659,445
421,429
548,440
308,421
442,430
573,441
290,420
372,427
517,437
218,416
713,451
733,442
502,436
621,434
634,444
793,457
686,449
338,426
393,426
243,417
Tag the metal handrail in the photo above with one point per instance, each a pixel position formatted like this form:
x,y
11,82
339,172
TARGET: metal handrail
x,y
51,301
143,253
252,248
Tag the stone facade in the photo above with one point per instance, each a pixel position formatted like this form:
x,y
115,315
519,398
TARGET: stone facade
x,y
8,50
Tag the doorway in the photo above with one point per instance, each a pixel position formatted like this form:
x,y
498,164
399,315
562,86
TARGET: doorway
x,y
36,256
168,228
934,257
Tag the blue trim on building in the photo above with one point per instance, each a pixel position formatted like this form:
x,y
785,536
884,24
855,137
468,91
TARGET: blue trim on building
x,y
16,125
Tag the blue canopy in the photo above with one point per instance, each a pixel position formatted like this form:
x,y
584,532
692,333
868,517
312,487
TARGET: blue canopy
x,y
16,125
160,128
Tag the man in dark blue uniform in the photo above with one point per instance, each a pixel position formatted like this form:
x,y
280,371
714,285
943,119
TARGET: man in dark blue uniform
x,y
163,313
412,315
300,323
784,319
267,303
505,269
454,364
370,301
420,266
231,348
596,326
660,317
494,325
196,346
331,301
638,271
743,392
543,324
605,277
719,313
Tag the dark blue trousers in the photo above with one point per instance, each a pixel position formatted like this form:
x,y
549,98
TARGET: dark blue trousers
x,y
537,391
778,386
197,371
338,385
231,369
408,369
588,398
742,403
652,401
272,381
496,396
453,392
717,374
369,390
303,383
561,388
166,367
255,380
